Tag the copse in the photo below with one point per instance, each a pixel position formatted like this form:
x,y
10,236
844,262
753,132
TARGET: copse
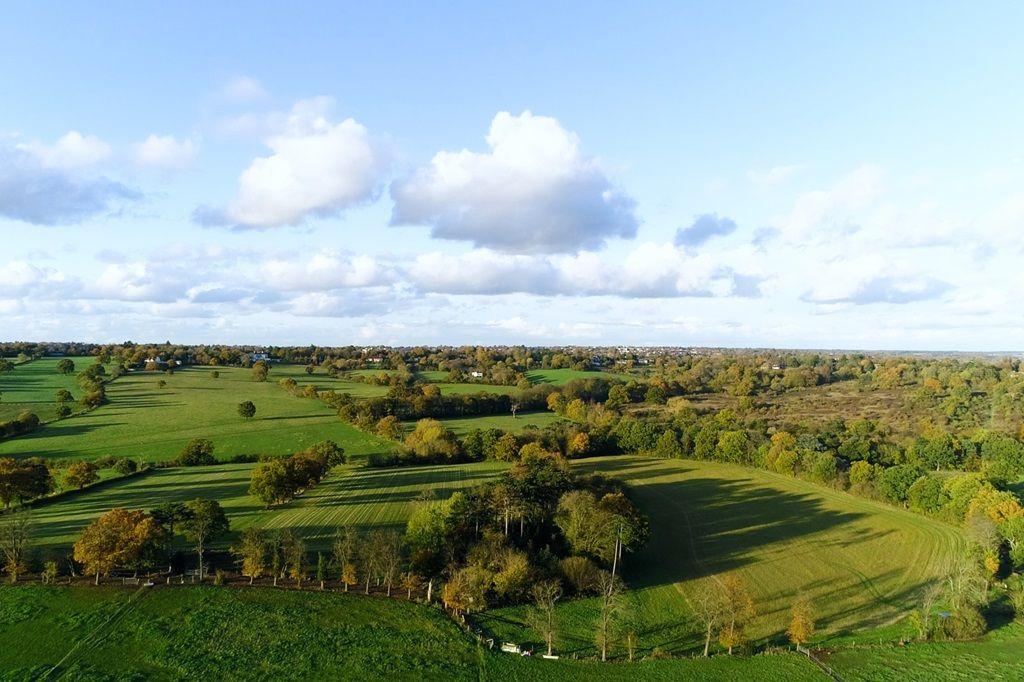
x,y
281,479
197,452
23,480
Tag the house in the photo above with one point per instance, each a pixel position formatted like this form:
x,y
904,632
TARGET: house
x,y
477,375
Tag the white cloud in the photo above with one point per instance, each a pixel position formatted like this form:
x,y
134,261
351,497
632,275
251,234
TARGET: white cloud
x,y
317,168
165,151
703,228
325,271
71,151
533,192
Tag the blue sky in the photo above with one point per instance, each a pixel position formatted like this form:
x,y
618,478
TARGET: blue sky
x,y
798,174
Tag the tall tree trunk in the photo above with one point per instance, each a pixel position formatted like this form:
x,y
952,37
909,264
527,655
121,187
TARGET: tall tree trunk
x,y
707,639
97,577
430,589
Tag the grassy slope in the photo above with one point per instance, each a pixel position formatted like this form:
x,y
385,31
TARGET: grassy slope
x,y
350,495
33,385
153,424
505,422
860,562
216,633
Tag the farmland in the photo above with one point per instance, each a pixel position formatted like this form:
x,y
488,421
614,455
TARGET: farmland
x,y
523,420
862,563
213,633
559,377
33,385
356,496
145,421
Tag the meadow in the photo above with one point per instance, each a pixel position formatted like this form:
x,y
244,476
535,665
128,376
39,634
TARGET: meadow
x,y
506,422
147,422
560,377
861,563
33,385
361,497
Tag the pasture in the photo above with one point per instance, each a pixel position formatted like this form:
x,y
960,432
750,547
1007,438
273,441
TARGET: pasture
x,y
862,563
361,497
522,421
151,423
560,377
190,632
32,386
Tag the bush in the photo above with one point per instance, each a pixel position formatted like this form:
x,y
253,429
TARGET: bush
x,y
965,623
126,466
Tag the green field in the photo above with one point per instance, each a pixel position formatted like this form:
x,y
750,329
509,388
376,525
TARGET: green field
x,y
33,385
171,633
862,563
357,496
149,423
558,377
506,422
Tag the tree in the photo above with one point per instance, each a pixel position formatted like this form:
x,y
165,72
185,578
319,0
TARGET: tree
x,y
260,370
119,538
609,588
166,516
348,575
294,554
389,427
23,480
344,548
197,452
466,591
709,608
739,608
80,474
543,618
204,522
251,551
64,396
246,409
801,621
272,482
411,581
15,531
321,569
389,548
66,366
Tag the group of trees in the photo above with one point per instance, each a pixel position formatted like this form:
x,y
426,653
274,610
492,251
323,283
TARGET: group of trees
x,y
132,539
279,479
26,422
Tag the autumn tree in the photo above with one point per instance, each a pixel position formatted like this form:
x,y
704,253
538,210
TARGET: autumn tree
x,y
411,581
344,549
466,591
204,522
738,610
294,553
543,618
801,620
15,530
251,551
80,474
119,538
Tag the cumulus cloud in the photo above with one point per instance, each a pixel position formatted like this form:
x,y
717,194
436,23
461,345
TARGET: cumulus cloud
x,y
73,150
316,168
165,151
325,271
533,192
650,271
703,228
881,289
141,281
21,278
44,187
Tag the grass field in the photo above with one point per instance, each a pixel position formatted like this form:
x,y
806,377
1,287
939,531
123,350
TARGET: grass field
x,y
171,633
559,377
32,386
357,496
506,422
146,422
999,656
862,563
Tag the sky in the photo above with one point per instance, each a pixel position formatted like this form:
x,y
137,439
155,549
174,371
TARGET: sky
x,y
747,174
